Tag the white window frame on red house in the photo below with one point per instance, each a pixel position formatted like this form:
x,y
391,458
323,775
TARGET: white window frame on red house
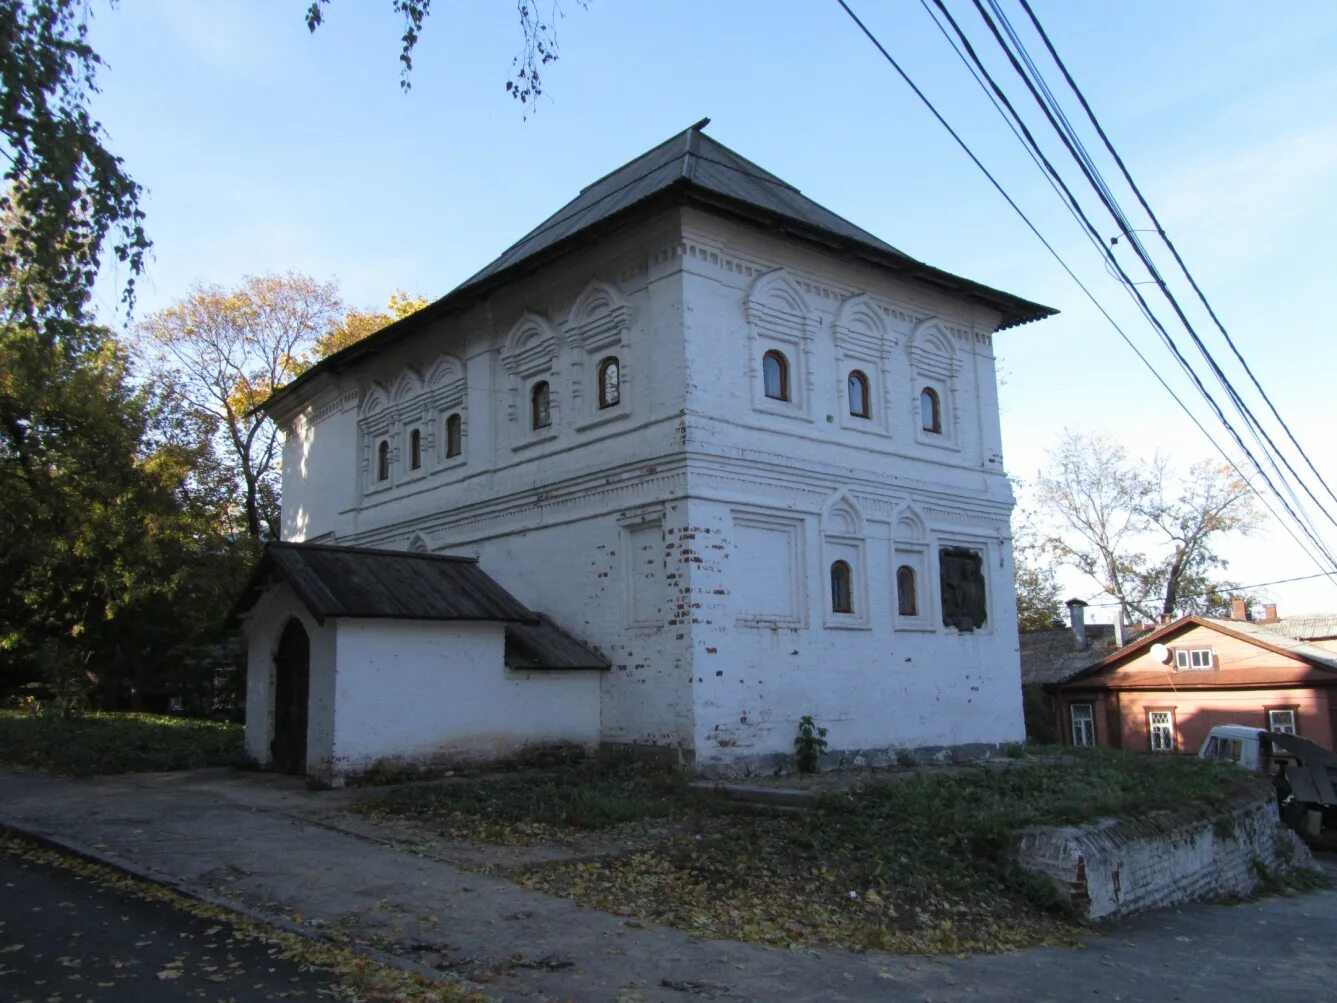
x,y
1291,727
1161,735
1194,659
1083,725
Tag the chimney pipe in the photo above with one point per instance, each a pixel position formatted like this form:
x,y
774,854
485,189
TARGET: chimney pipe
x,y
1269,612
1239,608
1077,614
1118,629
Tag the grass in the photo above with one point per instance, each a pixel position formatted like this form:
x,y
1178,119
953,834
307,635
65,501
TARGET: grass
x,y
103,743
915,862
545,804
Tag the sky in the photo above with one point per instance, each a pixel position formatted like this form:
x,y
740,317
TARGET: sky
x,y
264,147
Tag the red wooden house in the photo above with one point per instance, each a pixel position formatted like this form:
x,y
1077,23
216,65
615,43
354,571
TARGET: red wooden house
x,y
1165,691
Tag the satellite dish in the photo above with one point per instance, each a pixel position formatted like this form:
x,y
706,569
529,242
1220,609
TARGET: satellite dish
x,y
1161,653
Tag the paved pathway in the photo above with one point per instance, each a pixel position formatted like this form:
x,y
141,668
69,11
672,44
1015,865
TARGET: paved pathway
x,y
267,845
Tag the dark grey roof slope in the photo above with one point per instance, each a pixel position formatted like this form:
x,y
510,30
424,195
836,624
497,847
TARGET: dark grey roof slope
x,y
544,645
689,168
1051,656
383,584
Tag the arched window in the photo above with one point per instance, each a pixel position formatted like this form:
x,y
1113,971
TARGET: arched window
x,y
930,411
907,599
610,382
540,415
453,436
860,406
415,450
775,375
842,590
383,460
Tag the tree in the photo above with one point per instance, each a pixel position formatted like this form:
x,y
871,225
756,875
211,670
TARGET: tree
x,y
65,192
358,324
227,350
1142,532
1036,578
109,547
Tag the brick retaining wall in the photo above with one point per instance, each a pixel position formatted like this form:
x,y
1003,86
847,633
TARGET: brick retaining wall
x,y
1116,867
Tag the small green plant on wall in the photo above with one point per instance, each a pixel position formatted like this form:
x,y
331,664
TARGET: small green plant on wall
x,y
809,744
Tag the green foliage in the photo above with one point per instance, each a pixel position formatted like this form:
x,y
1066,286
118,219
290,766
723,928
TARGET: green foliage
x,y
99,743
64,191
592,794
809,744
1038,708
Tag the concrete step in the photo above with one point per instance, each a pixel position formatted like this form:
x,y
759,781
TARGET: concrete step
x,y
777,797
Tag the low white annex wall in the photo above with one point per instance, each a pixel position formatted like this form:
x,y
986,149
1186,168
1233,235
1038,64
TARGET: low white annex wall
x,y
263,628
435,693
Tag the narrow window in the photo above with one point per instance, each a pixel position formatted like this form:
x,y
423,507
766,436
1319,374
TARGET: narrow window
x,y
1083,725
907,598
1282,721
930,411
858,391
383,460
610,382
453,437
540,415
775,375
415,450
842,592
1161,730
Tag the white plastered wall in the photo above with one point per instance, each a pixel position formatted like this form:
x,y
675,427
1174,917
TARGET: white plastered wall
x,y
432,692
263,627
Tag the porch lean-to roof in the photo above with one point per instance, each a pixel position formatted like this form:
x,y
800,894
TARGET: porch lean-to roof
x,y
689,168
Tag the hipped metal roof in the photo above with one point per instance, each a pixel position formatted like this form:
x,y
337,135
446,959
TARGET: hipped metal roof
x,y
690,168
361,582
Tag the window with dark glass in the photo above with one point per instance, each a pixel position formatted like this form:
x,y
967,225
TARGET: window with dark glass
x,y
775,375
858,392
540,415
415,450
842,591
610,382
907,600
961,573
383,460
453,437
930,410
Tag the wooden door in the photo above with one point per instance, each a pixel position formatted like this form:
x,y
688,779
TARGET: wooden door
x,y
292,684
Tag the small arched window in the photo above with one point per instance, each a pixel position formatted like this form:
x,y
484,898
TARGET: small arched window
x,y
540,413
415,450
453,436
907,599
860,406
775,375
610,382
842,591
383,460
930,410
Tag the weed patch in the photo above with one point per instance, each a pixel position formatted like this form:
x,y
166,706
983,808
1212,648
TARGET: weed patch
x,y
116,743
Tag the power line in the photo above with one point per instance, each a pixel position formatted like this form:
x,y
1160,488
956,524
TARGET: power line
x,y
1161,232
1328,558
1234,588
1072,275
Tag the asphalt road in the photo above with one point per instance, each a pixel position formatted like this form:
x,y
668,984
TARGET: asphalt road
x,y
67,936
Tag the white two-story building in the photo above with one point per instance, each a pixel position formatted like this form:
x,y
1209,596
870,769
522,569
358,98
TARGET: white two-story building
x,y
743,456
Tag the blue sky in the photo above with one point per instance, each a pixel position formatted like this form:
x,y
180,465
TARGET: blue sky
x,y
266,148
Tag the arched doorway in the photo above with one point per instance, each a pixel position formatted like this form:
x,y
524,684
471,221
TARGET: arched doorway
x,y
292,678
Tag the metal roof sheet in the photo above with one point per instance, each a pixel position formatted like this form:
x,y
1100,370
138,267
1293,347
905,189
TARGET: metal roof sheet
x,y
361,582
690,164
544,645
